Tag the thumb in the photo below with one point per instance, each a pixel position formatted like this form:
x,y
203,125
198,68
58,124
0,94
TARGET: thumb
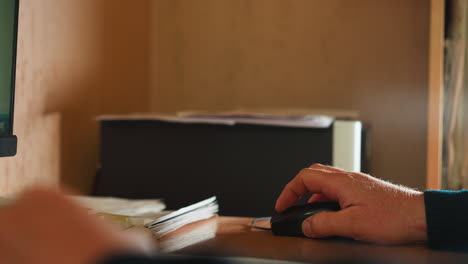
x,y
325,224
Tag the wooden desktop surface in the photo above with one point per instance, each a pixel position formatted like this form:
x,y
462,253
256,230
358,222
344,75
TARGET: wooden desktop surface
x,y
233,237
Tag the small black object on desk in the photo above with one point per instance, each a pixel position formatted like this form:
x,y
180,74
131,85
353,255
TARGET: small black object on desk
x,y
289,222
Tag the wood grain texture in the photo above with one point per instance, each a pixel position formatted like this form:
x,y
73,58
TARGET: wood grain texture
x,y
365,55
435,100
234,238
76,60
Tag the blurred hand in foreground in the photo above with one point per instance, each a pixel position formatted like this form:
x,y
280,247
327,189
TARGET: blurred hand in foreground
x,y
43,226
372,210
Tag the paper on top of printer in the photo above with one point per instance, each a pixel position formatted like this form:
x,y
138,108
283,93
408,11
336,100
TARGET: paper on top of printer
x,y
266,118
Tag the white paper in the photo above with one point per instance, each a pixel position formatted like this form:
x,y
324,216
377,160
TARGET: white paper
x,y
119,206
167,118
203,232
232,118
184,210
174,220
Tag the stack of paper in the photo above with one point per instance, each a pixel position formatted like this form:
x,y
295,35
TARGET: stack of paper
x,y
318,119
203,231
130,214
262,118
119,206
174,220
147,214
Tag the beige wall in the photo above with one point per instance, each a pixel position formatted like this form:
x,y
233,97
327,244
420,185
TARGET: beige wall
x,y
77,59
365,55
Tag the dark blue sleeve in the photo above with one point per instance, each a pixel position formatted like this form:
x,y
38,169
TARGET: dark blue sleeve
x,y
447,219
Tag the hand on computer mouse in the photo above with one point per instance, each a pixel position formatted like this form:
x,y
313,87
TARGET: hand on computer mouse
x,y
372,210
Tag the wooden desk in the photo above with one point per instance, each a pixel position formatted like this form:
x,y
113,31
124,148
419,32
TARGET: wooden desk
x,y
232,236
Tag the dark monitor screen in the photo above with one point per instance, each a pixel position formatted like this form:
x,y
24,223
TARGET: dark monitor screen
x,y
8,40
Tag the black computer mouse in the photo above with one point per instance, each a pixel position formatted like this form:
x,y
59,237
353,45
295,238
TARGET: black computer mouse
x,y
289,222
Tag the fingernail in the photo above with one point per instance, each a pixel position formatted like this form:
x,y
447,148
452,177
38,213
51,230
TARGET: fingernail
x,y
306,228
278,207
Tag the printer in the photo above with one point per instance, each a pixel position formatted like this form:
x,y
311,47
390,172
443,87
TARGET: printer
x,y
245,165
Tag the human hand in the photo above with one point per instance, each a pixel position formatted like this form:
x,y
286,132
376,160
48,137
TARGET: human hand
x,y
43,226
372,210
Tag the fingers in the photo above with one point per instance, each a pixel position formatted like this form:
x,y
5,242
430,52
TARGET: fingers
x,y
324,167
307,181
318,197
327,224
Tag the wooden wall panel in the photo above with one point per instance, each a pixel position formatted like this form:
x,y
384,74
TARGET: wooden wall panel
x,y
76,60
365,55
435,100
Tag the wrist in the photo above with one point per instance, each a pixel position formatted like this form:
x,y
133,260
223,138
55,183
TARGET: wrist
x,y
417,226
